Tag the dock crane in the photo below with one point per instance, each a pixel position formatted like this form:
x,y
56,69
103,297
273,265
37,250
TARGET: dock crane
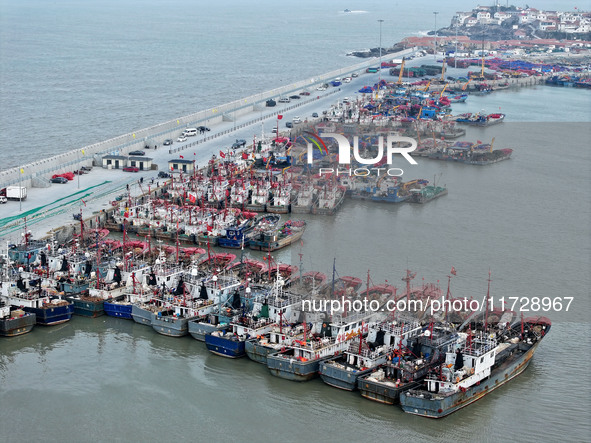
x,y
399,82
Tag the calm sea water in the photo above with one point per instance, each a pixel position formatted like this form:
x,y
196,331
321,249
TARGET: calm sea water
x,y
73,75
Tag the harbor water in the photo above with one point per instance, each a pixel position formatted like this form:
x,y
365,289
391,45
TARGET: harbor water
x,y
527,220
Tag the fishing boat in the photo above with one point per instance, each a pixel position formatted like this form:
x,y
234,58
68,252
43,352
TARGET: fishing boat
x,y
301,360
427,193
26,252
162,280
457,98
247,331
259,197
181,306
280,336
115,294
223,290
13,320
237,237
290,232
305,199
28,291
365,355
482,365
231,342
480,119
280,201
452,133
408,365
329,200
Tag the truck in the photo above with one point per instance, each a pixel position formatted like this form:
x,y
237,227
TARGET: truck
x,y
16,193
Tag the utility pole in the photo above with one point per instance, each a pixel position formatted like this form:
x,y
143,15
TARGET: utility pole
x,y
435,42
380,70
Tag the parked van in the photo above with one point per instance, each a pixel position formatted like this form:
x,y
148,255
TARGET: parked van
x,y
190,132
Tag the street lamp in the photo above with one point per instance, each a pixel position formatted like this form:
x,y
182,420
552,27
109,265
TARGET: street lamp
x,y
380,70
455,53
435,42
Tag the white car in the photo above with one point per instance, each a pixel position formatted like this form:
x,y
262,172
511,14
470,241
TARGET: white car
x,y
296,120
181,139
321,88
347,80
3,199
354,75
346,100
284,100
274,130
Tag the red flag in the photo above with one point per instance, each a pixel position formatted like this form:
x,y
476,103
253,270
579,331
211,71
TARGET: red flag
x,y
453,270
244,156
222,154
209,228
83,202
279,116
181,156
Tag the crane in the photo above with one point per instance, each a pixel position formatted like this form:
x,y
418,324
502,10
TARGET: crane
x,y
401,71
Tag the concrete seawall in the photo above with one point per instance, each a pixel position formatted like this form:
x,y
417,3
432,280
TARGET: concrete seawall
x,y
36,173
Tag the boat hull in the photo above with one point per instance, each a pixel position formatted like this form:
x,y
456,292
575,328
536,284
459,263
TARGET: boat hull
x,y
257,352
292,369
283,209
199,329
381,392
120,310
256,208
269,246
340,378
12,327
50,316
225,347
169,325
87,308
141,315
295,209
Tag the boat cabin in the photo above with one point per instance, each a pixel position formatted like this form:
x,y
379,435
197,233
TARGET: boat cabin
x,y
465,367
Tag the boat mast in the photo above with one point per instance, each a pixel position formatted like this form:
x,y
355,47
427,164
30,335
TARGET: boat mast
x,y
334,263
487,303
98,260
447,297
81,225
124,239
177,240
